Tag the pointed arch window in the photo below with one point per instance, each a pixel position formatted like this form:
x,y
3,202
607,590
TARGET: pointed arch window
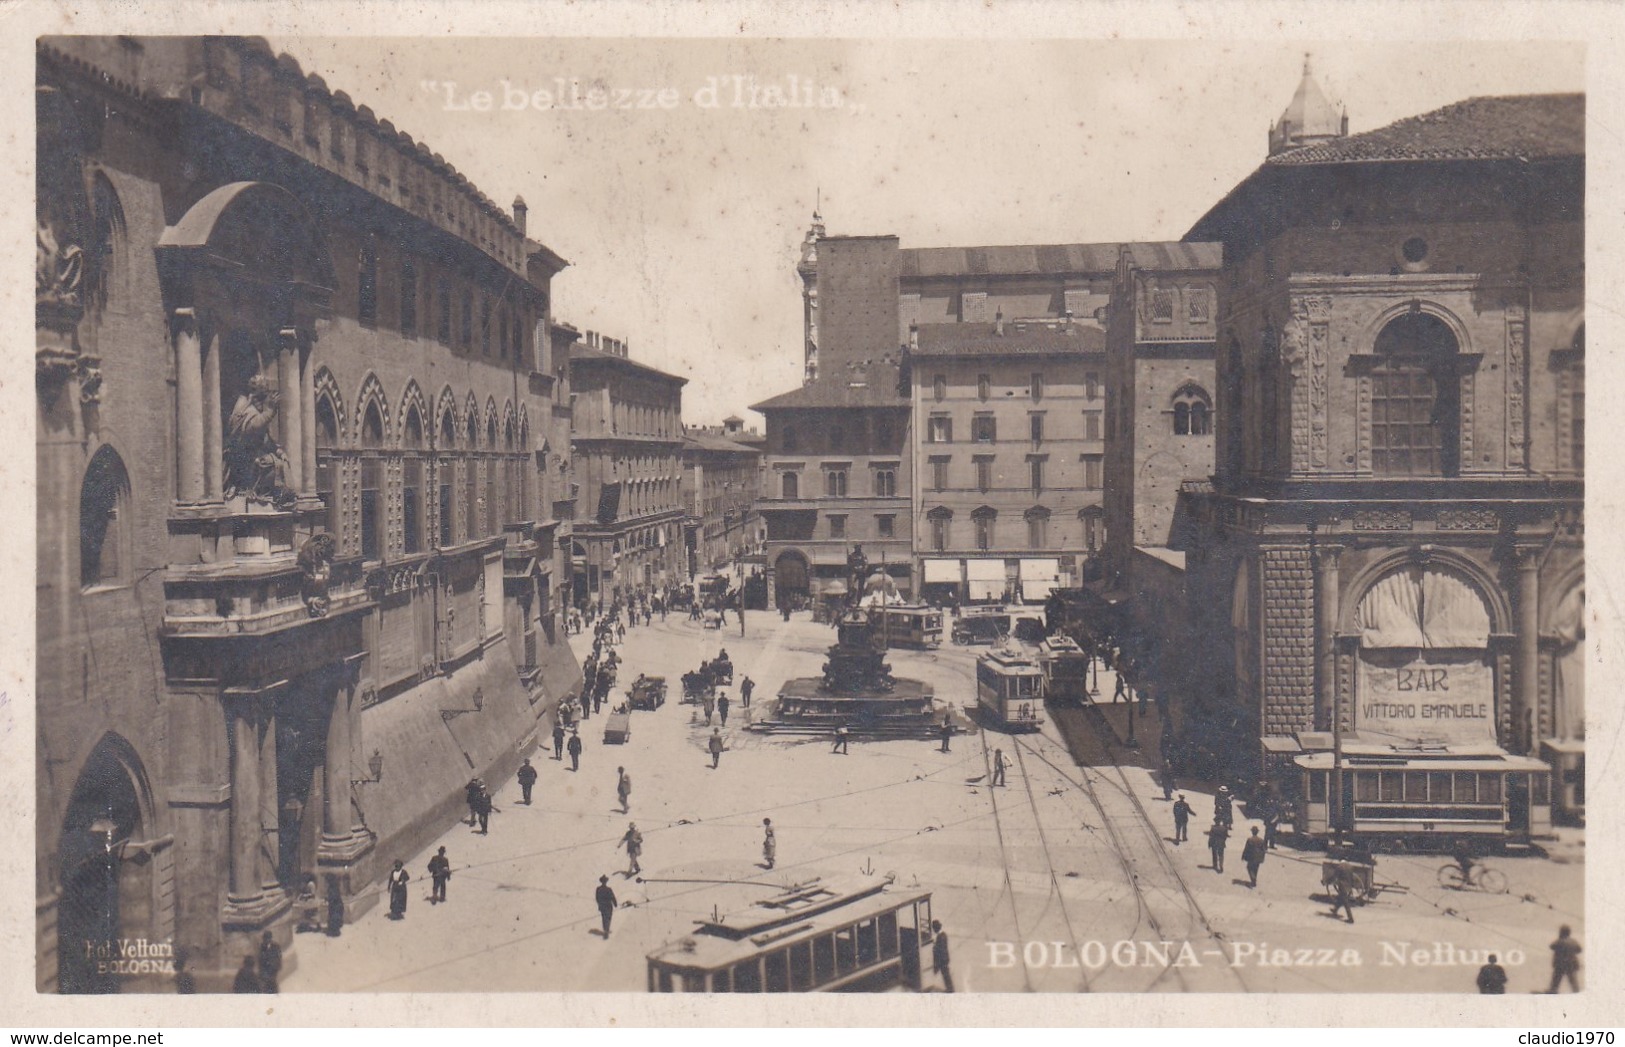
x,y
412,483
372,483
327,440
104,521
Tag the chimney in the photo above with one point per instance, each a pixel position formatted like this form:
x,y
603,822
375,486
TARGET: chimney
x,y
998,323
519,213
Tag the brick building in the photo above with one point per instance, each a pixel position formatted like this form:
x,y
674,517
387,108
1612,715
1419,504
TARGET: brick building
x,y
627,446
837,450
291,382
1400,460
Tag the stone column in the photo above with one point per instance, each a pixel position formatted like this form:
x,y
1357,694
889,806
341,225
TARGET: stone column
x,y
189,383
213,458
307,401
1526,656
1328,598
244,878
270,808
291,411
336,769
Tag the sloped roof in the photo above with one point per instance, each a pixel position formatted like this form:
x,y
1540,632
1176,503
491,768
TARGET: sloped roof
x,y
1507,127
712,442
1017,339
869,384
580,353
1031,259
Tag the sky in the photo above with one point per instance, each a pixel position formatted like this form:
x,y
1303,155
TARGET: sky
x,y
681,213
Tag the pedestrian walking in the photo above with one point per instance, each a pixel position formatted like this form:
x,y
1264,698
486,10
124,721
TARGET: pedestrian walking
x,y
527,780
248,979
715,745
397,891
620,632
270,962
1121,692
1223,810
1217,836
710,703
947,731
770,845
1272,821
471,793
842,735
722,707
558,738
633,842
998,766
623,789
439,875
482,809
939,955
746,686
1252,856
1565,960
574,749
606,903
1492,978
1182,819
1343,892
1167,780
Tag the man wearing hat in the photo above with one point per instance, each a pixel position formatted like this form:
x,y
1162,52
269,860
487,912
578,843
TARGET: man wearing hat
x,y
606,903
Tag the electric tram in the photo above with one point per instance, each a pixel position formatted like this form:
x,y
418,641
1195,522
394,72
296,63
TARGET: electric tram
x,y
908,626
1010,688
1420,796
1066,670
814,937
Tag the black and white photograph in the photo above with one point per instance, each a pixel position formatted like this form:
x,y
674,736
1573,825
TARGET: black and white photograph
x,y
801,512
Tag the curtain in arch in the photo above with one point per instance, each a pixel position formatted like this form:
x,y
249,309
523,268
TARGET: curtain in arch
x,y
1426,608
1569,679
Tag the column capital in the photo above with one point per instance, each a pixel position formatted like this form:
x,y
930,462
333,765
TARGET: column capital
x,y
184,318
1327,556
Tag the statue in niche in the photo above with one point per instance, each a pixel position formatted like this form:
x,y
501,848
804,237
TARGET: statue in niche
x,y
255,465
316,563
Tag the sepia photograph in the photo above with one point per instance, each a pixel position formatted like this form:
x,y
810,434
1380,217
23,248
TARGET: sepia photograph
x,y
740,514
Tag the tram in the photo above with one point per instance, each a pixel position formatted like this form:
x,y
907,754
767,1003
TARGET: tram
x,y
1066,670
1010,688
1449,798
863,936
908,626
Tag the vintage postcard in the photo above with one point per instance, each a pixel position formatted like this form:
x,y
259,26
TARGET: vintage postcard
x,y
623,508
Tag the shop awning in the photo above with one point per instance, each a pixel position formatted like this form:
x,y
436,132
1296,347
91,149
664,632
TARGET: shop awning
x,y
985,571
941,571
1038,578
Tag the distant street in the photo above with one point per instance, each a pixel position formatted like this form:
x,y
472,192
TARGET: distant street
x,y
1039,883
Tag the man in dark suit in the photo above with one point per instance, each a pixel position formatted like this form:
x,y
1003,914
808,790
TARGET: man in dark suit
x,y
606,903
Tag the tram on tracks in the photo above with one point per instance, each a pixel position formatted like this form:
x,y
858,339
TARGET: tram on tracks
x,y
862,936
1445,798
908,625
1066,670
1010,688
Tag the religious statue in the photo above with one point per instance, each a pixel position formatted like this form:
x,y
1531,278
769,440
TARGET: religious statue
x,y
316,563
255,465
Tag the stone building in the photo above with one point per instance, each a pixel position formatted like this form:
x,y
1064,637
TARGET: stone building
x,y
627,446
837,450
721,482
1400,461
291,386
1159,430
1007,455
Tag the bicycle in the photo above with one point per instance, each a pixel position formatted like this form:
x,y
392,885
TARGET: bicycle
x,y
1479,877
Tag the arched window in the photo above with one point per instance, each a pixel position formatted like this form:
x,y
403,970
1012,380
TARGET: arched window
x,y
104,524
790,485
107,242
327,439
412,483
1416,399
1192,415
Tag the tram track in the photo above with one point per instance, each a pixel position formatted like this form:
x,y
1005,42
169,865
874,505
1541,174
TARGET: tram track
x,y
1120,846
